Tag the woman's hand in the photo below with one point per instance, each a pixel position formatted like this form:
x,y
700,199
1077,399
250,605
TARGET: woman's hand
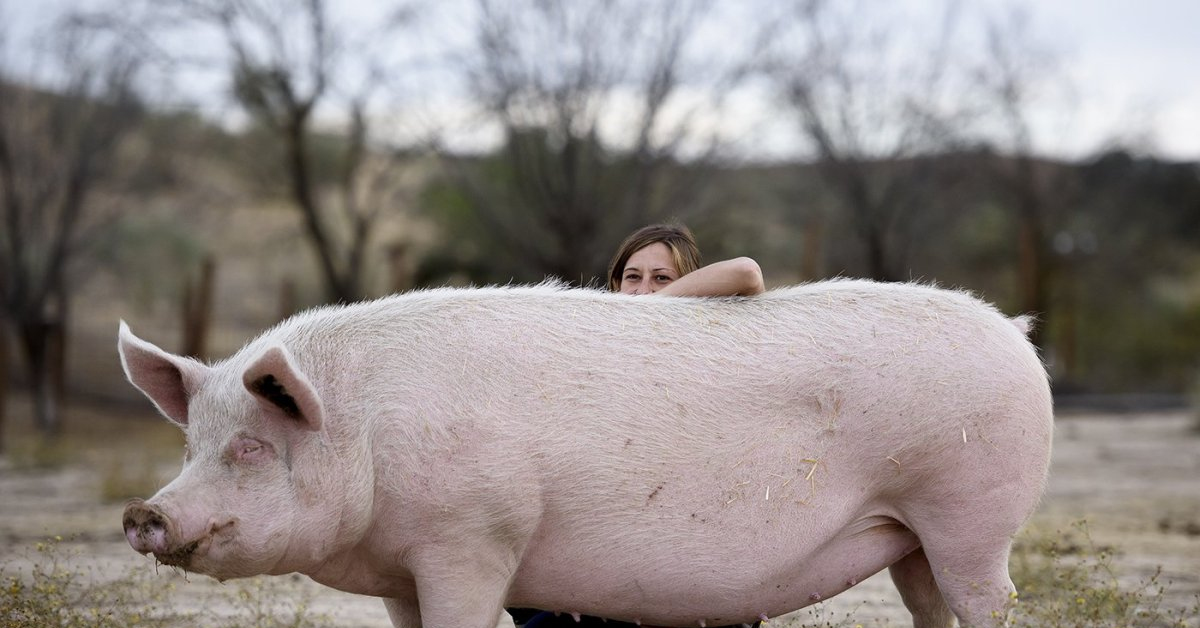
x,y
739,276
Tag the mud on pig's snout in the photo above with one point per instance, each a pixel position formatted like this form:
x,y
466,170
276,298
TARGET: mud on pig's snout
x,y
148,529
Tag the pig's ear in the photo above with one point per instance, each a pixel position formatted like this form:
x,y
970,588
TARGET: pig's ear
x,y
168,380
282,390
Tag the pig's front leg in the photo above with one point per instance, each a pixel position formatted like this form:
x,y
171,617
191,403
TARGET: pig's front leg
x,y
404,612
407,614
462,591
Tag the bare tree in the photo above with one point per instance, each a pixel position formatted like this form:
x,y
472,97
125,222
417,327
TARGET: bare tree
x,y
872,107
62,128
1015,77
597,138
286,61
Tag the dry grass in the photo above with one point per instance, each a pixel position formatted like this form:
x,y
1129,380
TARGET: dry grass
x,y
56,590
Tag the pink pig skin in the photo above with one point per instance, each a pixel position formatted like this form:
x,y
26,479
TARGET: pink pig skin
x,y
665,460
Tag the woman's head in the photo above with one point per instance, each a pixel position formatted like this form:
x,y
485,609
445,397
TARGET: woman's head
x,y
652,257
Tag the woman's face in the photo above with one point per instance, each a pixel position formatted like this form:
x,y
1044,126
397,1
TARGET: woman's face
x,y
649,270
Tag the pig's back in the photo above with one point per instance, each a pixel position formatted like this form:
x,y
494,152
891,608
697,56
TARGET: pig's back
x,y
630,392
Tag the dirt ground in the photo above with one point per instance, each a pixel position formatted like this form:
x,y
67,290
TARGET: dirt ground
x,y
1134,477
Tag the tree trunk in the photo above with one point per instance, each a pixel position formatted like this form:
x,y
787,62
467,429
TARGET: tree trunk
x,y
287,298
1033,269
1034,276
37,338
197,310
811,268
876,242
1065,335
339,289
3,381
401,274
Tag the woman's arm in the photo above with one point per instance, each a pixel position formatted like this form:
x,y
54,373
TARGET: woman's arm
x,y
740,276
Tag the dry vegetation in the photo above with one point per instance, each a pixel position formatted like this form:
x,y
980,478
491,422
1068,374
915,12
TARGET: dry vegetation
x,y
1115,542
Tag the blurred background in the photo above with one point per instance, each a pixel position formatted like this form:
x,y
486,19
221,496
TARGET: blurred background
x,y
204,168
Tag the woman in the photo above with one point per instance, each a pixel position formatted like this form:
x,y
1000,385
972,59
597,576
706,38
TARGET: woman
x,y
664,259
660,260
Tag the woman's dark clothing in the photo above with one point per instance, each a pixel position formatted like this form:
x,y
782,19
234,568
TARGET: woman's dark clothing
x,y
533,618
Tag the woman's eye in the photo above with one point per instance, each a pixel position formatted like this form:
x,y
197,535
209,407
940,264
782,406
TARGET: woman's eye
x,y
631,277
664,279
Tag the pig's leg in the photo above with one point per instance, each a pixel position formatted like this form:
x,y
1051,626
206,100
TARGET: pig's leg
x,y
973,578
404,613
966,545
463,591
920,593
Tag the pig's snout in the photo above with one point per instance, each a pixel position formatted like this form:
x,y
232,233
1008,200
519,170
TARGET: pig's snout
x,y
147,528
150,530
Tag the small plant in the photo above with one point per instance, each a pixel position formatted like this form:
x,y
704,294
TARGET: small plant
x,y
49,590
821,617
56,594
260,603
1066,581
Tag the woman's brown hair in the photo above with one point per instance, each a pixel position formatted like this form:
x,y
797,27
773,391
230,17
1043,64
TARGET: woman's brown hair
x,y
677,238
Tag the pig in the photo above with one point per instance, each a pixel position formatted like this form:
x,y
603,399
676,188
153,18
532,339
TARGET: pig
x,y
661,460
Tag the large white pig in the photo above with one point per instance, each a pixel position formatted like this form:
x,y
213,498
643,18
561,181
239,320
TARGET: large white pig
x,y
671,461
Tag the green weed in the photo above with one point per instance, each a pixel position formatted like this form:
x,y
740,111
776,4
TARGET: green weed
x,y
1067,581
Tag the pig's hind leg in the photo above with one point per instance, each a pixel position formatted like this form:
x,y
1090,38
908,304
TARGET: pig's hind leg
x,y
970,566
981,597
919,590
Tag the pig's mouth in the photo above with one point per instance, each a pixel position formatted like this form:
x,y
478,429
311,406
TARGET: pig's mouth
x,y
183,555
180,556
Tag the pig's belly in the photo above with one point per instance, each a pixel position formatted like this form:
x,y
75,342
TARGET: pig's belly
x,y
673,576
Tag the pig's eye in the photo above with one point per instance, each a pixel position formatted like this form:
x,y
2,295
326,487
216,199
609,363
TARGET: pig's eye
x,y
250,450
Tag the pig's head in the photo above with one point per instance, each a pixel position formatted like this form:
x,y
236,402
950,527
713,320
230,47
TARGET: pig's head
x,y
259,490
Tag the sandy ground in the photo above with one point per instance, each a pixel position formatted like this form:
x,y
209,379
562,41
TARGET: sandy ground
x,y
1134,477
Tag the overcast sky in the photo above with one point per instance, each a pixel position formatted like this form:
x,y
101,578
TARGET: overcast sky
x,y
1134,65
1133,61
